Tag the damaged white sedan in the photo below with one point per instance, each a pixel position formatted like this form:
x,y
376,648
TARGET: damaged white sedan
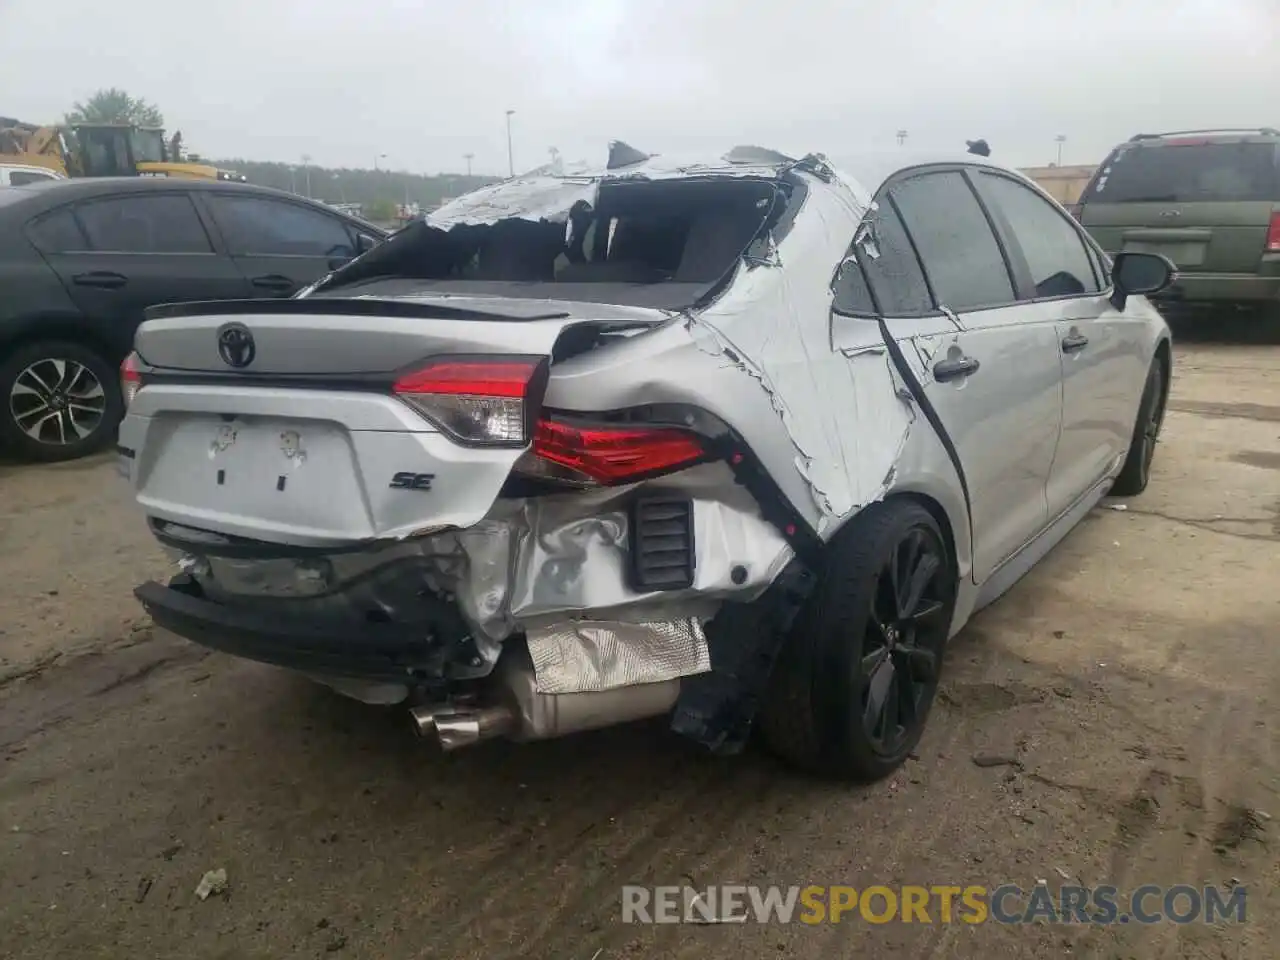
x,y
741,441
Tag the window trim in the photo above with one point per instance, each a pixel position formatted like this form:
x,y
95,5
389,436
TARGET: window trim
x,y
1093,252
212,196
43,215
915,173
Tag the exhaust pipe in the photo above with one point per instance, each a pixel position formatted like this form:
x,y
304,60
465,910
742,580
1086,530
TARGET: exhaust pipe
x,y
424,717
522,713
463,729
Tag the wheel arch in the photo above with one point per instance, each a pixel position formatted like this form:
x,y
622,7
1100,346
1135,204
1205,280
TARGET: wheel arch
x,y
1164,353
939,513
59,326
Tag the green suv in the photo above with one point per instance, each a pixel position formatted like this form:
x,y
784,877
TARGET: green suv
x,y
1209,200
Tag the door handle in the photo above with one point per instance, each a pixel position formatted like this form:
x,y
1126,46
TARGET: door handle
x,y
1074,342
945,370
103,279
273,281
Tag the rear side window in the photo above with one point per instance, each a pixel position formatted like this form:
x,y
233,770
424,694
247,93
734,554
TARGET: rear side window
x,y
1054,252
264,227
889,267
165,223
893,270
1187,173
20,178
57,232
960,254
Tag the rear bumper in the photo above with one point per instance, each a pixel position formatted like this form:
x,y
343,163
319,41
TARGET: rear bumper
x,y
1222,288
385,652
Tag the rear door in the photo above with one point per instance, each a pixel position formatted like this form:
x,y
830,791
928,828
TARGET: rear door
x,y
987,366
1204,203
1102,349
280,246
118,255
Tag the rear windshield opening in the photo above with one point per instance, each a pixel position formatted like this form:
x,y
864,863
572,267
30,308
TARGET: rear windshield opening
x,y
1176,173
644,243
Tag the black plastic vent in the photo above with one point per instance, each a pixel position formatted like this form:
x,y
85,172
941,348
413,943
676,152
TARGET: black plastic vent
x,y
662,550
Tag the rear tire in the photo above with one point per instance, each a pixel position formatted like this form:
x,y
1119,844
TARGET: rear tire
x,y
58,401
856,678
1136,472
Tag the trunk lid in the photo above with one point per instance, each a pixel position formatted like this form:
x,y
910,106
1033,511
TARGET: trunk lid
x,y
306,443
317,337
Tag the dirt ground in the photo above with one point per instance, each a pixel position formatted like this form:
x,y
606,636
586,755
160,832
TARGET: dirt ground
x,y
1134,677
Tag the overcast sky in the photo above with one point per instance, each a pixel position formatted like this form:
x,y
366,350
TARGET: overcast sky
x,y
427,81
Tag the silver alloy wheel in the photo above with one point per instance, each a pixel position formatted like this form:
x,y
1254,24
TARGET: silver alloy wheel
x,y
57,401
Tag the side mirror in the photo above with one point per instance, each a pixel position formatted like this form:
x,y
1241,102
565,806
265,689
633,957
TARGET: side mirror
x,y
365,243
1139,273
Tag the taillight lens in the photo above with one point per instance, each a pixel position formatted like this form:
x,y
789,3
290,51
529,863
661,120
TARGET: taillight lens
x,y
610,455
488,402
1273,234
130,379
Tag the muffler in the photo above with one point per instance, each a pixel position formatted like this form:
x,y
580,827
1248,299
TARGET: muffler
x,y
518,711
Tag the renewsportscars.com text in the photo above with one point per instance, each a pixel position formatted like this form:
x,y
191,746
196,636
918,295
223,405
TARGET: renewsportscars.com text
x,y
1006,904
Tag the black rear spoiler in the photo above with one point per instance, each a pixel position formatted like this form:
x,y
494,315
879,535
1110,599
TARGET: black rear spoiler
x,y
347,307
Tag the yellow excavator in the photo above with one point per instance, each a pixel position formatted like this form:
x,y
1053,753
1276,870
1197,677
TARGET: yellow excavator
x,y
103,150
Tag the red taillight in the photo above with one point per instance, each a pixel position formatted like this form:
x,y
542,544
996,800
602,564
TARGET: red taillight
x,y
476,401
1273,234
611,455
130,379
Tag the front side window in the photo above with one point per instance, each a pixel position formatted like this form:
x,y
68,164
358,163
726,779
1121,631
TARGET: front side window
x,y
260,226
157,223
1055,253
956,244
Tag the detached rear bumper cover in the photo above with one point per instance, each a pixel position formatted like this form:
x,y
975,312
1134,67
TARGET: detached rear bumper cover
x,y
376,651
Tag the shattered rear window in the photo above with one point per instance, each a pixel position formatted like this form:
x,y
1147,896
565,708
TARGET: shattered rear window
x,y
638,238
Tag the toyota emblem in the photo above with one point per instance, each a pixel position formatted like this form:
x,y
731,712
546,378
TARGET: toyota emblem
x,y
235,345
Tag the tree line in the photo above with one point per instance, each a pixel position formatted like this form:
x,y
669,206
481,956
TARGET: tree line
x,y
377,191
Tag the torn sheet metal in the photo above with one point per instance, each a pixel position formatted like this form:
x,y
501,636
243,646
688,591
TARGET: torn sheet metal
x,y
528,564
580,656
775,325
572,553
549,192
532,198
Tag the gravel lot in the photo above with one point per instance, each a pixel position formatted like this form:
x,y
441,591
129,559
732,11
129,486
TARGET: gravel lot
x,y
1134,677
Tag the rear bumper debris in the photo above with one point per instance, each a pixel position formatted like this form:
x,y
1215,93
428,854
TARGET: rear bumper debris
x,y
555,572
387,652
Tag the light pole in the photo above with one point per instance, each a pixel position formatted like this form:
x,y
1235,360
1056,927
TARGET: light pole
x,y
1061,139
342,193
468,157
511,157
306,159
376,158
902,137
